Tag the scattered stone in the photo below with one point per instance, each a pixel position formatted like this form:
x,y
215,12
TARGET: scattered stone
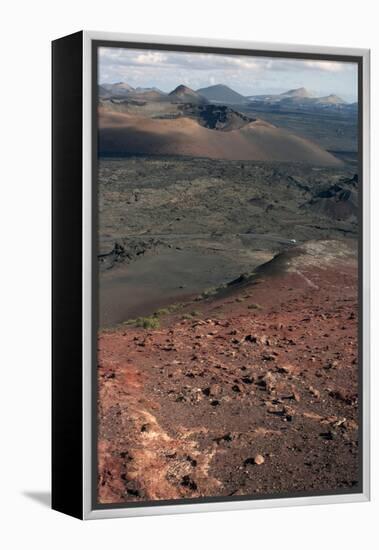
x,y
131,486
258,459
268,357
287,368
272,409
192,461
126,455
288,413
188,482
214,390
271,342
339,422
349,399
351,425
331,365
196,395
312,416
284,431
227,437
329,420
267,381
255,339
328,435
314,392
295,396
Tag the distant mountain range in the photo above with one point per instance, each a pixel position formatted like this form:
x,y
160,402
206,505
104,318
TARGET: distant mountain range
x,y
298,96
122,90
298,99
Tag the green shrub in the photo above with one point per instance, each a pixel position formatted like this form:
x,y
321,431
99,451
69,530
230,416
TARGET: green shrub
x,y
254,306
148,322
174,307
161,312
213,291
195,313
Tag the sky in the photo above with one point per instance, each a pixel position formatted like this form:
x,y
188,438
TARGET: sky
x,y
244,74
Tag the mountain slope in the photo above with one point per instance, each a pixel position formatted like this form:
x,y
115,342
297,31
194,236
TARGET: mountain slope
x,y
130,134
297,92
299,97
118,89
222,94
184,94
331,99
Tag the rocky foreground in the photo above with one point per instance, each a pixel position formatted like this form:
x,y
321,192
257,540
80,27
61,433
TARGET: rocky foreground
x,y
254,393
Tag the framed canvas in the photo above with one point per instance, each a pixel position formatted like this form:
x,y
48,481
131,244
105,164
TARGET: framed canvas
x,y
210,275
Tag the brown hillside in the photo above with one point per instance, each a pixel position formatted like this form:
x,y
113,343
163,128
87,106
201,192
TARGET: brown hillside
x,y
125,133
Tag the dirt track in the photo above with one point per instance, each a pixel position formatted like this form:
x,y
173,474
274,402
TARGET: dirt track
x,y
266,370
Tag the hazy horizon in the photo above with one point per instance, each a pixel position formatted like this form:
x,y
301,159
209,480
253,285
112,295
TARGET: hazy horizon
x,y
247,75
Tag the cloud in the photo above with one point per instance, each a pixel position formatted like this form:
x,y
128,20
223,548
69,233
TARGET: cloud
x,y
333,66
151,58
201,61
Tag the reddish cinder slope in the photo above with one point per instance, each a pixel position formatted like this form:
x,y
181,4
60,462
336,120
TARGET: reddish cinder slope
x,y
256,396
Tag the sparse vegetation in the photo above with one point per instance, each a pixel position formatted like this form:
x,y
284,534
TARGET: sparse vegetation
x,y
153,321
148,322
254,306
161,312
190,315
209,292
130,322
169,309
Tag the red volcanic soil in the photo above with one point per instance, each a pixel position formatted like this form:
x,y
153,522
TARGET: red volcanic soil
x,y
257,395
